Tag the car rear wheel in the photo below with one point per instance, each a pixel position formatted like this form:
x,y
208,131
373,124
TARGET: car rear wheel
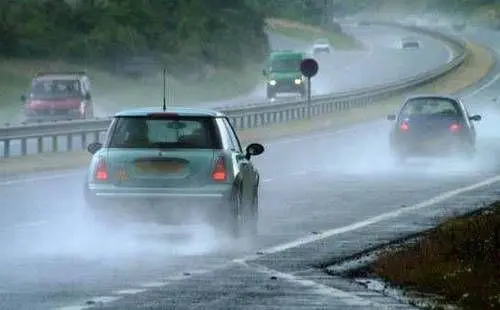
x,y
242,217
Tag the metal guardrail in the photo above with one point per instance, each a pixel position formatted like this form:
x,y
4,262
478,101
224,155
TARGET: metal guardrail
x,y
80,133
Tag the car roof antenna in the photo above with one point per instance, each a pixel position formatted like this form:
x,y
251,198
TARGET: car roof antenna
x,y
164,89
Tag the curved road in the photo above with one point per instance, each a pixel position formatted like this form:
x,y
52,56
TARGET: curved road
x,y
54,255
383,62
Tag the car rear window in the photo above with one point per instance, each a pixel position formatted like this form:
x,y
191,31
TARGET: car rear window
x,y
54,88
175,132
430,107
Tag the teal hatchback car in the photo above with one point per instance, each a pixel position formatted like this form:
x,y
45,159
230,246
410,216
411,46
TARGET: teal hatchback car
x,y
172,165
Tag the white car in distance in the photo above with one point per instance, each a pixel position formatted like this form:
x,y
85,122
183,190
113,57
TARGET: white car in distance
x,y
321,46
409,43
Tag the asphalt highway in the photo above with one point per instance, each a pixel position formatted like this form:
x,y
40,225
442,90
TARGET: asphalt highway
x,y
383,62
55,256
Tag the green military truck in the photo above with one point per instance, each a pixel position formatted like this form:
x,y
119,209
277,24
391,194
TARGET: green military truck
x,y
283,74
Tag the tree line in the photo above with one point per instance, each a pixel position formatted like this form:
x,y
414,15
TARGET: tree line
x,y
186,35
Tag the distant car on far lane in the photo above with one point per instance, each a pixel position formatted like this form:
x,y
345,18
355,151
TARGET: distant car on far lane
x,y
58,96
321,45
172,166
432,125
409,43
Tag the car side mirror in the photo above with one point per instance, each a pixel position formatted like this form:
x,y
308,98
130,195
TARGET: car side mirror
x,y
475,118
254,149
23,98
88,96
93,147
391,117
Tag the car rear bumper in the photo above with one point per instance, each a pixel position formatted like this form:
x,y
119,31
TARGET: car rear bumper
x,y
159,204
446,147
286,87
185,196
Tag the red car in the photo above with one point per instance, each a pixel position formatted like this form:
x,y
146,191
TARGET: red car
x,y
59,96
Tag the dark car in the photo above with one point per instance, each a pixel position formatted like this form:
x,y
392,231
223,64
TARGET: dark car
x,y
173,166
433,126
59,96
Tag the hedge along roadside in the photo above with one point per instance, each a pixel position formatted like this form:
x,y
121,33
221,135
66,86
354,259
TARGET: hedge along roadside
x,y
475,67
251,116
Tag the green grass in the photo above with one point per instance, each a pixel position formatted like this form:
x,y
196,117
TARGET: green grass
x,y
457,260
115,92
309,33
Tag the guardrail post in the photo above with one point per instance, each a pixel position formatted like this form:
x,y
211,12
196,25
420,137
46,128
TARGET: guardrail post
x,y
24,146
84,140
69,142
39,145
54,144
6,148
96,137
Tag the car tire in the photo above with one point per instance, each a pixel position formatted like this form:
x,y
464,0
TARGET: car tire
x,y
241,217
252,219
233,219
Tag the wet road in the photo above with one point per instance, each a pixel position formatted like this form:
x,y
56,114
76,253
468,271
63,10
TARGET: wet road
x,y
54,255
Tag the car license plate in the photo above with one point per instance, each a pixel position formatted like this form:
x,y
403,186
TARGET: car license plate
x,y
430,144
160,166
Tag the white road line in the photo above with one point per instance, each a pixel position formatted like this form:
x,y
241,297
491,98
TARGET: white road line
x,y
343,296
477,90
451,53
132,291
38,178
374,220
25,225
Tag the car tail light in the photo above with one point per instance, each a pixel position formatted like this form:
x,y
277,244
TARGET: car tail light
x,y
455,127
220,173
101,171
404,126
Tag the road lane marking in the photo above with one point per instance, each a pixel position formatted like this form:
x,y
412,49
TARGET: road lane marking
x,y
373,220
26,225
450,51
131,291
483,87
39,178
343,296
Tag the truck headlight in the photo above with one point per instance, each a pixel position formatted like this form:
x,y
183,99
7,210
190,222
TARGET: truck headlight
x,y
298,81
272,82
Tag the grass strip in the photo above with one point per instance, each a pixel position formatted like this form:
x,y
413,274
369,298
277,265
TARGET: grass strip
x,y
458,260
476,66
